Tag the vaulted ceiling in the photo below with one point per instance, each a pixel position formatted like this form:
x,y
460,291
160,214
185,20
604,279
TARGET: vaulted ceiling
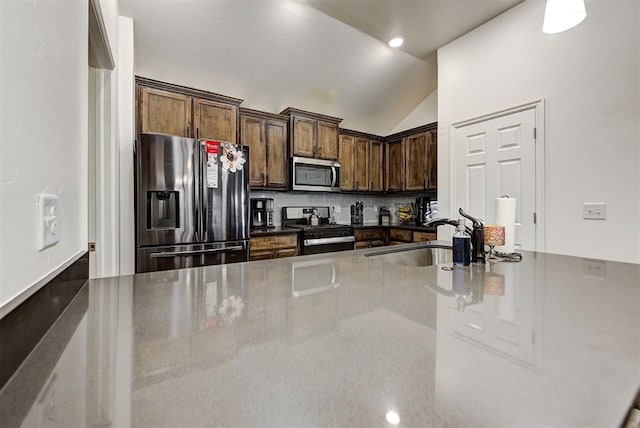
x,y
326,56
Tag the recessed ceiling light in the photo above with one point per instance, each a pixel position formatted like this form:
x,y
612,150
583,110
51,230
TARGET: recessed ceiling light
x,y
396,41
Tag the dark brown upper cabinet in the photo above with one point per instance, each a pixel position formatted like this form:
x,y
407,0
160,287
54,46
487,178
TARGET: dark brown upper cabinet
x,y
164,112
166,108
312,135
266,136
214,120
347,181
411,159
361,164
376,166
394,166
415,149
354,162
361,161
432,160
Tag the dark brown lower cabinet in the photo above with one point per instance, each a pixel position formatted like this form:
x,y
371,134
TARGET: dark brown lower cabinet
x,y
369,238
274,247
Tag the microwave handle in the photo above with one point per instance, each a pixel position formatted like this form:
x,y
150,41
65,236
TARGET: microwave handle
x,y
334,176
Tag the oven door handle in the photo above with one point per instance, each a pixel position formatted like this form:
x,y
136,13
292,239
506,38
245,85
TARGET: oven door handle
x,y
322,241
196,252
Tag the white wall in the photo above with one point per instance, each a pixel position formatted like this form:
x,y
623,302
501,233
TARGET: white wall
x,y
43,135
426,112
589,77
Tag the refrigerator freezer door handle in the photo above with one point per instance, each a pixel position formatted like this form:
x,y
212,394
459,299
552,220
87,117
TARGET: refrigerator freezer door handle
x,y
196,252
203,193
197,198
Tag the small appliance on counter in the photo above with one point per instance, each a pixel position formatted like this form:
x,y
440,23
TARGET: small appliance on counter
x,y
384,216
423,208
262,213
357,215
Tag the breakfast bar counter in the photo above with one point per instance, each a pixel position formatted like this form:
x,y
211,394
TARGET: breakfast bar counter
x,y
354,338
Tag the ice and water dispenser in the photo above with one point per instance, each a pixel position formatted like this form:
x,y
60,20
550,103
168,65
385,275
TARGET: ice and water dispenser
x,y
162,209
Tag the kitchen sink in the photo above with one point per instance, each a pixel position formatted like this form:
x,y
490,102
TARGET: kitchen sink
x,y
412,256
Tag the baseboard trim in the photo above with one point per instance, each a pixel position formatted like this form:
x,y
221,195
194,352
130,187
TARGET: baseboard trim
x,y
24,295
24,326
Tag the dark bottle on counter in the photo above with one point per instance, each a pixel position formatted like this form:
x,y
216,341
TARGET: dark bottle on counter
x,y
461,246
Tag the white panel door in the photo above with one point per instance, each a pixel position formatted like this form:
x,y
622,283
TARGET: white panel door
x,y
497,157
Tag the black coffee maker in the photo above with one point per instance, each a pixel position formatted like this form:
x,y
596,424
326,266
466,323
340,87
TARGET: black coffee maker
x,y
261,213
423,206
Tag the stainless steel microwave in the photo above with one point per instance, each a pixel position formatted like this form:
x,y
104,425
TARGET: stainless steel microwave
x,y
315,175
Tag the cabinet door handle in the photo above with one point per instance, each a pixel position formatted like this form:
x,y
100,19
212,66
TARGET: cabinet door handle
x,y
198,133
188,129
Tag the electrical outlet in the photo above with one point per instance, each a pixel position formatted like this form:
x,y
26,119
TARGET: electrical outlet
x,y
47,222
375,208
337,209
594,268
594,211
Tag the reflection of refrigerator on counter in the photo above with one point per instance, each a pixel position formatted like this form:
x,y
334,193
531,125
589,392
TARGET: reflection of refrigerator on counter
x,y
192,201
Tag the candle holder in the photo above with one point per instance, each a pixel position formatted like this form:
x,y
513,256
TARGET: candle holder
x,y
493,236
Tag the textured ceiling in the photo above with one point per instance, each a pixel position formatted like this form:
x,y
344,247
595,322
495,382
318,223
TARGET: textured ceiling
x,y
425,24
280,53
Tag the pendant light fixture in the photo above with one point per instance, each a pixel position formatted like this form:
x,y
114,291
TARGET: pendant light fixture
x,y
561,15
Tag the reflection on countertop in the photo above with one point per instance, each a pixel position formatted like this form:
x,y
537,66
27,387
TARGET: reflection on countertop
x,y
341,339
278,230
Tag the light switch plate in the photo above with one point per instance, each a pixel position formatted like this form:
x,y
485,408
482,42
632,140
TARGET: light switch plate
x,y
594,211
47,221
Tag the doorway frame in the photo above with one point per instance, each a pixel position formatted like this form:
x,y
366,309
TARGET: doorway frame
x,y
103,157
538,106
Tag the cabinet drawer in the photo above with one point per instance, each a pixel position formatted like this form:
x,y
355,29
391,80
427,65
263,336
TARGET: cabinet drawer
x,y
368,234
401,235
424,236
397,242
377,243
362,244
287,252
262,255
274,242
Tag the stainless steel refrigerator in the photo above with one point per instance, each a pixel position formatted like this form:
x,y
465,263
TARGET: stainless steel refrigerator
x,y
192,202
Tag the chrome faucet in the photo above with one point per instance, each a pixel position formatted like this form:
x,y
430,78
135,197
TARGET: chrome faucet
x,y
477,234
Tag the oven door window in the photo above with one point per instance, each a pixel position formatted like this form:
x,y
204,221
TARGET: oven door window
x,y
313,175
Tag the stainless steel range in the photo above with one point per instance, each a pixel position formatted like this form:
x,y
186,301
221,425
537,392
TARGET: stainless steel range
x,y
321,237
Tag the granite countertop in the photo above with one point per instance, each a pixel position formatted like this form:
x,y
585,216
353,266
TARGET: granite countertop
x,y
341,339
274,231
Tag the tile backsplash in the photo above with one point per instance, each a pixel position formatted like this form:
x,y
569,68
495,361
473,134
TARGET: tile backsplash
x,y
342,200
